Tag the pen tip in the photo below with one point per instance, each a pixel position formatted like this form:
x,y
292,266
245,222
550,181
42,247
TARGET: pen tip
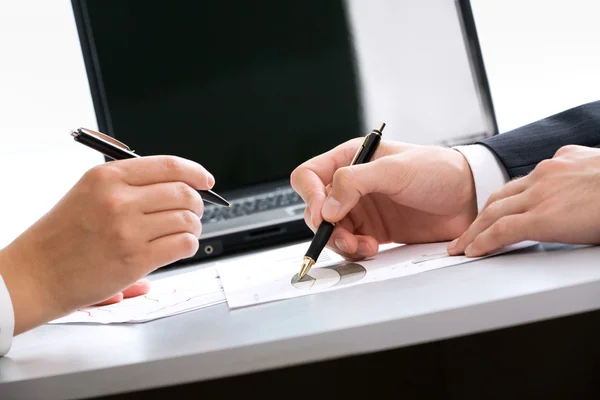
x,y
381,126
307,263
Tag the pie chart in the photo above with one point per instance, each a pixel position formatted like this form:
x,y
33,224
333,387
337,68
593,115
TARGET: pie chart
x,y
326,277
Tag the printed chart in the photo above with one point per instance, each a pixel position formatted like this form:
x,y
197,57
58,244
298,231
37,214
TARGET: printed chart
x,y
168,296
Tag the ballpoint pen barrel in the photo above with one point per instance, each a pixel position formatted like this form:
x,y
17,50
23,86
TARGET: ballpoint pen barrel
x,y
116,153
363,155
212,197
320,240
106,149
370,146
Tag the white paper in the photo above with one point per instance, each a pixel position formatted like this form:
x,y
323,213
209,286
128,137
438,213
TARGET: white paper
x,y
273,276
168,296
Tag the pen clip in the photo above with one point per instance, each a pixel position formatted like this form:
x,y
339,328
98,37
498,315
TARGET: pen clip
x,y
102,136
360,149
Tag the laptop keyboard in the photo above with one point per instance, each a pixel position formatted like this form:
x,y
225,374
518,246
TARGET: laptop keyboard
x,y
250,205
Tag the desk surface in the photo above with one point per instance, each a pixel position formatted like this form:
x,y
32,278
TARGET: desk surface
x,y
75,361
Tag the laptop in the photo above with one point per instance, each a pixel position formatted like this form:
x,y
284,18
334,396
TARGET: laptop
x,y
251,90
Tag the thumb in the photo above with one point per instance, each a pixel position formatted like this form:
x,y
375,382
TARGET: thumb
x,y
349,185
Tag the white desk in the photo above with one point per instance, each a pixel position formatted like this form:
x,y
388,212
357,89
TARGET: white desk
x,y
58,362
530,63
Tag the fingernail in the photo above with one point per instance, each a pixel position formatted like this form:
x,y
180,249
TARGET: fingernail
x,y
211,181
452,244
341,244
468,250
364,249
331,208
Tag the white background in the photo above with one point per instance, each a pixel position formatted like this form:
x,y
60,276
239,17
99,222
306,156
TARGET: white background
x,y
541,57
414,71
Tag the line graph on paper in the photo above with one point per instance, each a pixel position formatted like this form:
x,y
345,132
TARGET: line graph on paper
x,y
433,260
168,296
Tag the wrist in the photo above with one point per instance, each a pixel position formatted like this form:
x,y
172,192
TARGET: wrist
x,y
30,306
467,193
487,172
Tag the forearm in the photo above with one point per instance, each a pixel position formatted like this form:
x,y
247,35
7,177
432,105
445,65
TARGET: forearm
x,y
21,295
521,149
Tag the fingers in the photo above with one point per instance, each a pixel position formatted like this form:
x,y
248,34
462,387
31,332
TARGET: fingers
x,y
512,188
169,196
168,249
310,178
507,230
507,201
366,246
489,216
314,199
139,288
308,219
171,222
349,185
156,169
350,246
345,243
318,171
114,299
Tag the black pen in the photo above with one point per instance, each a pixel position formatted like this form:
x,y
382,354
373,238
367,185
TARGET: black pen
x,y
116,150
363,155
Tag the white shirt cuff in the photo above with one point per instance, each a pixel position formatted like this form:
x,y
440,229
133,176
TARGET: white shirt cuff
x,y
7,319
489,174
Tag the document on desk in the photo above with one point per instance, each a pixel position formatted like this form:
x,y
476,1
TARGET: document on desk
x,y
274,276
168,296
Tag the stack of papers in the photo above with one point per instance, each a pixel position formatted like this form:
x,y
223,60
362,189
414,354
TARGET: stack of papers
x,y
167,296
259,279
271,276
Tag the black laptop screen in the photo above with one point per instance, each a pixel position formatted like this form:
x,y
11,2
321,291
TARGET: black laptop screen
x,y
248,89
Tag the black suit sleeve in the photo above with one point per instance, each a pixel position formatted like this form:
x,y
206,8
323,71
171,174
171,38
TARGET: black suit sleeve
x,y
521,149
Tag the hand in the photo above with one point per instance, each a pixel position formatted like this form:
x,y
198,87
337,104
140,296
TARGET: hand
x,y
122,220
139,288
557,202
406,194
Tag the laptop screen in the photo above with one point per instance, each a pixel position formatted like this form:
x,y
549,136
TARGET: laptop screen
x,y
249,90
253,89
